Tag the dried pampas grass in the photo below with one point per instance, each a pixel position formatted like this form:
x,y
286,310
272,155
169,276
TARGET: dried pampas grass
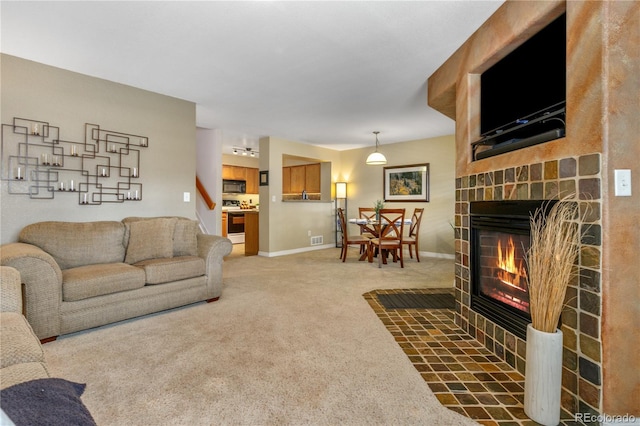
x,y
555,243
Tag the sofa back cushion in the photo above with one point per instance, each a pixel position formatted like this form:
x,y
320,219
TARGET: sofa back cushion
x,y
74,244
150,239
185,234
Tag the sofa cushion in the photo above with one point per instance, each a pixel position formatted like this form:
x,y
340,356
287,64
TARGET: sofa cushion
x,y
18,343
46,402
160,271
97,280
74,244
185,235
150,239
185,238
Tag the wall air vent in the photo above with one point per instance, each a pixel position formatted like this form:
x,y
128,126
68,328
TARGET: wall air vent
x,y
316,241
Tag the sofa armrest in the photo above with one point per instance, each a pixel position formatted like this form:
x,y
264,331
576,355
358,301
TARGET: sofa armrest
x,y
10,290
43,285
213,248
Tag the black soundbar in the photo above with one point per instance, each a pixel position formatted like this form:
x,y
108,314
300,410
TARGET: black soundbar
x,y
514,144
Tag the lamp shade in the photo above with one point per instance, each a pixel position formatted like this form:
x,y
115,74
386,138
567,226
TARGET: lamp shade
x,y
376,158
341,189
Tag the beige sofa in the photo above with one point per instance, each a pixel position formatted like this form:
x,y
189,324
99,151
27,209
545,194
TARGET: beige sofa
x,y
21,356
28,394
80,275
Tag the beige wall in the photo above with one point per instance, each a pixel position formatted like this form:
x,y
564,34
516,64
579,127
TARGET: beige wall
x,y
365,186
209,156
69,100
285,226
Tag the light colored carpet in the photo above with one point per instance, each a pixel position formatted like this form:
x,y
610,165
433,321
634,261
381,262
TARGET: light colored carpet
x,y
291,341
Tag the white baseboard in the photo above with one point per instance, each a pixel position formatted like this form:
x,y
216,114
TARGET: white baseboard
x,y
437,255
294,251
325,246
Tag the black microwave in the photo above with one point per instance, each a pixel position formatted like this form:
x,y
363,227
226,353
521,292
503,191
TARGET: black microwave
x,y
234,186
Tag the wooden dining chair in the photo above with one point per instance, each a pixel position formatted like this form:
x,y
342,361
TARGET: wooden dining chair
x,y
414,233
367,213
390,228
347,239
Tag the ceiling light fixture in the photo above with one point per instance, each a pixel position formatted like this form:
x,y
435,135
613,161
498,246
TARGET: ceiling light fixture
x,y
376,158
245,151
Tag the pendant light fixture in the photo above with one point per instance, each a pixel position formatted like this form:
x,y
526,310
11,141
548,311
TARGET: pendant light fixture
x,y
376,158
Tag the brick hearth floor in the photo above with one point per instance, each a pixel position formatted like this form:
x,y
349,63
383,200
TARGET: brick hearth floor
x,y
462,373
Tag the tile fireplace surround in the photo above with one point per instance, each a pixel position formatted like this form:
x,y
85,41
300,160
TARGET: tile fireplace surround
x,y
582,353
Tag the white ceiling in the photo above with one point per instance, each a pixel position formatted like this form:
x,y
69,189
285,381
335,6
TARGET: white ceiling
x,y
325,73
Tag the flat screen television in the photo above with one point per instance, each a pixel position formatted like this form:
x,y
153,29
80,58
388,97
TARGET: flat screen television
x,y
527,84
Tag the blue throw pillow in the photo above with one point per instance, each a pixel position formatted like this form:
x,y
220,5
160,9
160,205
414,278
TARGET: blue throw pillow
x,y
46,402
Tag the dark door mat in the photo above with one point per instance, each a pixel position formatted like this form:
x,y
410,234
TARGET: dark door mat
x,y
417,301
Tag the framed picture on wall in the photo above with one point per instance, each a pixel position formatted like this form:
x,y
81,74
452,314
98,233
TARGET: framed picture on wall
x,y
264,178
406,183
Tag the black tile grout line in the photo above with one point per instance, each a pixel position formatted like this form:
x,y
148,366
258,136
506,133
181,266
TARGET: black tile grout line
x,y
464,375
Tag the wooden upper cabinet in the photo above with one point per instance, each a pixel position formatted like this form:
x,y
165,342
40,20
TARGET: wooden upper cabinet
x,y
286,180
253,183
312,178
296,179
234,172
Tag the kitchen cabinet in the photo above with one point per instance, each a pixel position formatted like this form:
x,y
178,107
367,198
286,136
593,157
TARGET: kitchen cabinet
x,y
253,183
286,180
224,224
234,172
312,178
296,179
251,233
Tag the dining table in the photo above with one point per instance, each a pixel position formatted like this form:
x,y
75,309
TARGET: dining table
x,y
373,227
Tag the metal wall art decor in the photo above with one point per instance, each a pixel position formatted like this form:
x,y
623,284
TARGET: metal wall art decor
x,y
105,168
406,183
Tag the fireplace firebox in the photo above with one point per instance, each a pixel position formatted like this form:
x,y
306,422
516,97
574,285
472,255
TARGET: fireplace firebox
x,y
500,238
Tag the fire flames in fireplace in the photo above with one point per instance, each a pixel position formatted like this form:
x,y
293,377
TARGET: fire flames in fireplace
x,y
509,273
513,275
503,274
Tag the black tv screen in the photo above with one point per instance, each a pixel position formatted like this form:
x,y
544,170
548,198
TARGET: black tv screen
x,y
529,80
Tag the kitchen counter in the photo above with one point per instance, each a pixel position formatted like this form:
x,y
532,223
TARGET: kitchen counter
x,y
251,233
237,209
307,201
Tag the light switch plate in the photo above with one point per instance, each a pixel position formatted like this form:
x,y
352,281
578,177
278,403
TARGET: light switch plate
x,y
187,197
622,182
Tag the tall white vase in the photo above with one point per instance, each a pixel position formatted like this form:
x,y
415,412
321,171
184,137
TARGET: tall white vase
x,y
543,376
